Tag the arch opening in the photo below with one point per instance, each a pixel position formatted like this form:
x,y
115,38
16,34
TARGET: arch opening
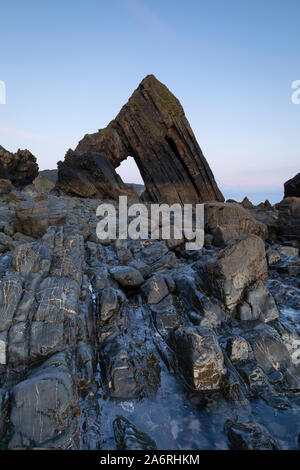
x,y
130,174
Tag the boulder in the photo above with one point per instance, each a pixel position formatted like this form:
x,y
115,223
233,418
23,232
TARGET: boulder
x,y
227,274
34,216
20,167
155,289
127,276
43,406
199,357
226,221
165,315
292,187
128,437
258,304
248,436
107,303
289,251
153,129
202,311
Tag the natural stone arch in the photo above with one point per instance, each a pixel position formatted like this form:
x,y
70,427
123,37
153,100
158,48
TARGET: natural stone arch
x,y
153,129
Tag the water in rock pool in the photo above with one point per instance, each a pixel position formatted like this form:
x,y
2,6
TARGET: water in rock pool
x,y
181,420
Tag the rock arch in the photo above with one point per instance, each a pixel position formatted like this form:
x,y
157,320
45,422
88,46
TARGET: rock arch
x,y
152,128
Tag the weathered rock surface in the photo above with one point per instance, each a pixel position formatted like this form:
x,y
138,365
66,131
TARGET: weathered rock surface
x,y
199,356
292,187
155,289
35,216
230,271
153,129
127,276
238,349
128,437
91,331
227,221
90,175
20,167
201,310
258,303
43,407
248,436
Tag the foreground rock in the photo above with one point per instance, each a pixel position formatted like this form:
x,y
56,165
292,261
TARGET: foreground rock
x,y
43,407
152,128
199,356
97,336
20,168
45,315
258,303
128,437
248,436
228,273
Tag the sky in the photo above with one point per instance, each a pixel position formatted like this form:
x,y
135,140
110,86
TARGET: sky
x,y
69,66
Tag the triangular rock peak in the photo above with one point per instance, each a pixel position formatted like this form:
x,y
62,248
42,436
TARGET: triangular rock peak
x,y
153,129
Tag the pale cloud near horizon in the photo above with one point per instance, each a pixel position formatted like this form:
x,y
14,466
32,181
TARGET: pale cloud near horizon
x,y
27,135
257,179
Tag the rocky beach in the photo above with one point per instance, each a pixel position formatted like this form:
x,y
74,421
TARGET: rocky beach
x,y
143,344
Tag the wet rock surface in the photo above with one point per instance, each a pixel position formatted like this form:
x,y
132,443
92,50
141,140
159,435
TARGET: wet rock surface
x,y
142,344
128,437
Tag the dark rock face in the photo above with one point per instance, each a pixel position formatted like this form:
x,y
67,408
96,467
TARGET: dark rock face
x,y
289,218
153,129
248,436
292,187
128,437
90,175
20,167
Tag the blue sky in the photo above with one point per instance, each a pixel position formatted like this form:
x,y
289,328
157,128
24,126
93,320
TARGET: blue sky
x,y
69,66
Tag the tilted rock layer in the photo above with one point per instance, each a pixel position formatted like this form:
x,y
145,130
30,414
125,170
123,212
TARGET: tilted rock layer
x,y
153,129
